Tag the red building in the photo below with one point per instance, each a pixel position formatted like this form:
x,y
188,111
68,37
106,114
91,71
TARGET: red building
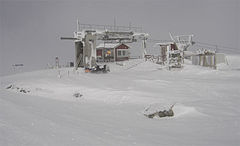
x,y
107,52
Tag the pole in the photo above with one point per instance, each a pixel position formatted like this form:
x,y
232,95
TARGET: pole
x,y
77,25
114,25
130,26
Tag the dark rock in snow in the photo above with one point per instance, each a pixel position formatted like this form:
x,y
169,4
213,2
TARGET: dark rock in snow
x,y
21,90
77,95
164,113
170,112
151,115
9,87
161,114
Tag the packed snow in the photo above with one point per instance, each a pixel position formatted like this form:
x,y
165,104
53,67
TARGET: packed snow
x,y
68,107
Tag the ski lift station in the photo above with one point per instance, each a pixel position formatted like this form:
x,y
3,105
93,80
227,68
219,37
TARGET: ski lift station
x,y
112,44
106,43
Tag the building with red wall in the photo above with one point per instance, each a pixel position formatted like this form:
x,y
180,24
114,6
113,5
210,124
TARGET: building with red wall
x,y
110,52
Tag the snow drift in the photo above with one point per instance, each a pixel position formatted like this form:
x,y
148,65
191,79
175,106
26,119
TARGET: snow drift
x,y
76,108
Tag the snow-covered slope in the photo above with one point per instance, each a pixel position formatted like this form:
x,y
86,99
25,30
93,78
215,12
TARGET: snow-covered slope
x,y
108,109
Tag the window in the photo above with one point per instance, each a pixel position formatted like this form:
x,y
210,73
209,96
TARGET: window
x,y
119,53
124,53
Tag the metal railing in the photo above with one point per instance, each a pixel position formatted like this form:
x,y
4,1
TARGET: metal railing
x,y
109,27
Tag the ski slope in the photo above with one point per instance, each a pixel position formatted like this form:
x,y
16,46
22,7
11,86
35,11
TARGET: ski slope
x,y
110,110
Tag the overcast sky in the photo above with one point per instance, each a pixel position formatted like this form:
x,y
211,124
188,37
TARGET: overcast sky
x,y
30,30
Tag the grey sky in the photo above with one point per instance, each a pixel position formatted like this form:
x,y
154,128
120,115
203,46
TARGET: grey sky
x,y
30,30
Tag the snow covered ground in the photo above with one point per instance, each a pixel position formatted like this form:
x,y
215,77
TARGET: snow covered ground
x,y
110,110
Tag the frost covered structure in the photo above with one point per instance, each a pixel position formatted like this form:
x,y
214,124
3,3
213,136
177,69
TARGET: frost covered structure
x,y
208,58
86,40
172,53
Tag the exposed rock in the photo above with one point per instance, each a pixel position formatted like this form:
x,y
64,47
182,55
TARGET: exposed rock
x,y
161,113
23,90
9,87
77,95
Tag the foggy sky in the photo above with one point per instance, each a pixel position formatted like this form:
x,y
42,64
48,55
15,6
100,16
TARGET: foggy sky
x,y
30,30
